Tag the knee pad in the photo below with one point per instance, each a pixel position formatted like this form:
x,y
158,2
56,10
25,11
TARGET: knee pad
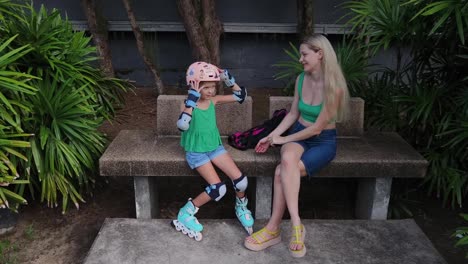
x,y
240,184
216,191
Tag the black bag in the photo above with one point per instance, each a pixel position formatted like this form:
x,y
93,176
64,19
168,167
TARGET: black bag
x,y
249,139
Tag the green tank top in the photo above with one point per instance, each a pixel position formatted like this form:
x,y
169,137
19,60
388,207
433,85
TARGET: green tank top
x,y
203,134
308,112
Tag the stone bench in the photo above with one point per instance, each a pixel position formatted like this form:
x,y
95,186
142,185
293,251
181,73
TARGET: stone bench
x,y
374,159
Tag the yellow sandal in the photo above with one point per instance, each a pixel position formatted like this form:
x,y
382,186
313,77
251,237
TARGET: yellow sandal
x,y
298,232
264,238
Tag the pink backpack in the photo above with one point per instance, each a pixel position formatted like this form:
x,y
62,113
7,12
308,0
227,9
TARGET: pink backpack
x,y
249,139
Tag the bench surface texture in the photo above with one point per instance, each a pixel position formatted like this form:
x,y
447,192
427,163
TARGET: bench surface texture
x,y
328,242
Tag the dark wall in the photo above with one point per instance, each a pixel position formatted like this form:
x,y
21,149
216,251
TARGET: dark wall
x,y
249,55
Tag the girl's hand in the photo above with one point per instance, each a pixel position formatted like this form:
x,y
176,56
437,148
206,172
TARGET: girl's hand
x,y
262,145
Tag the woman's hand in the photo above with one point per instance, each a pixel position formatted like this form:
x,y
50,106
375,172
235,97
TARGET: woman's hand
x,y
262,145
266,142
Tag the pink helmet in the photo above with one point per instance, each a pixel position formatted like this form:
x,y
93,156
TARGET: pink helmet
x,y
201,72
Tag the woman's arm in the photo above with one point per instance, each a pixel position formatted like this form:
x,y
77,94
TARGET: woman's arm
x,y
290,118
285,124
324,118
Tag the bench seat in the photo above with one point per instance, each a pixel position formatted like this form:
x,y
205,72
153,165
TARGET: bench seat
x,y
144,153
373,158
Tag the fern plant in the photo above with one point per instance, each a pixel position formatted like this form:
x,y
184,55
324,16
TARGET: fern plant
x,y
13,138
70,100
462,234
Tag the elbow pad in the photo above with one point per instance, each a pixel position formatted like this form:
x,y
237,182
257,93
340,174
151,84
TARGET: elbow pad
x,y
240,95
184,121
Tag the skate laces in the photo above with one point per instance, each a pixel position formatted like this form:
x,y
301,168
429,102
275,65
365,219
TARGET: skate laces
x,y
241,208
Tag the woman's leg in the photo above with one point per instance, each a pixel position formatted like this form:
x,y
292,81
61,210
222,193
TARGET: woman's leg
x,y
291,170
208,172
279,205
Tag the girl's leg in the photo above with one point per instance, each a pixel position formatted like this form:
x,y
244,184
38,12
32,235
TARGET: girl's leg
x,y
208,172
225,163
240,183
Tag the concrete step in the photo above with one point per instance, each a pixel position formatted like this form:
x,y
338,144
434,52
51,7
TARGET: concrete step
x,y
327,241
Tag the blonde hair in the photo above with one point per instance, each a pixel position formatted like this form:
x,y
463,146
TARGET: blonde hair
x,y
333,75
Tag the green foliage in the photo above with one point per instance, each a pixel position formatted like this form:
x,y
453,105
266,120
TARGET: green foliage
x,y
462,234
350,56
29,232
425,96
8,252
291,68
13,139
62,100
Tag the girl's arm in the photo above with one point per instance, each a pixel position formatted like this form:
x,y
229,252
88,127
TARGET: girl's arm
x,y
238,93
230,98
185,117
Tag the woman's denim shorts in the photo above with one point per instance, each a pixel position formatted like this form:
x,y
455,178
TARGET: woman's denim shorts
x,y
319,150
196,159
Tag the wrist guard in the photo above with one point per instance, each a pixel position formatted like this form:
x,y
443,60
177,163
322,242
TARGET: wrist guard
x,y
184,121
227,78
240,95
192,98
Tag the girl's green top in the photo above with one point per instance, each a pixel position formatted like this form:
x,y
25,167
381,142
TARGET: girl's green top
x,y
203,134
308,112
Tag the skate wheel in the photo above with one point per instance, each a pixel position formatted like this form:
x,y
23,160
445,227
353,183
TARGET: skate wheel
x,y
249,230
184,231
190,234
198,237
176,225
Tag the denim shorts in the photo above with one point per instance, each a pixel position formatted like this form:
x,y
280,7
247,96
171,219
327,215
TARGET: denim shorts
x,y
319,150
196,159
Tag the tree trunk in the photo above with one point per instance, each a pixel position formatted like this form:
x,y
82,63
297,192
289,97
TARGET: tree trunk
x,y
305,18
213,29
141,47
203,29
194,31
98,30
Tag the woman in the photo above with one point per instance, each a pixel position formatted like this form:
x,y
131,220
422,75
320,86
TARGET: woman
x,y
320,99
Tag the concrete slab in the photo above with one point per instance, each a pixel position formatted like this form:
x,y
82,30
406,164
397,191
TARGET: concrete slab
x,y
328,241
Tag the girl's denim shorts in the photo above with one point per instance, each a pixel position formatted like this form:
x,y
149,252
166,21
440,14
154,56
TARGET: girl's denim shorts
x,y
319,150
196,159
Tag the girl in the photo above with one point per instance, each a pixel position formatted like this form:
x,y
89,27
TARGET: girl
x,y
204,149
320,98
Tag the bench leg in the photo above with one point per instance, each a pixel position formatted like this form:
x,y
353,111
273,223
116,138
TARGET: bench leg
x,y
146,200
263,197
372,198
